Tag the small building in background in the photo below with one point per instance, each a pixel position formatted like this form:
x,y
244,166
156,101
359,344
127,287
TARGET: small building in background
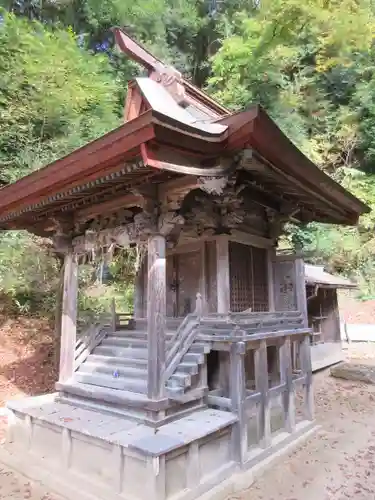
x,y
324,315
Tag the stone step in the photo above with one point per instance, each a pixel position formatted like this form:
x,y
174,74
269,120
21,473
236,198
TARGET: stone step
x,y
121,352
118,341
138,334
106,394
193,357
109,369
189,367
174,391
120,361
124,342
182,379
121,383
178,394
200,347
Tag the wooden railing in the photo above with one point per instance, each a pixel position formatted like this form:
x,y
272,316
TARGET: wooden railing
x,y
183,339
243,401
87,342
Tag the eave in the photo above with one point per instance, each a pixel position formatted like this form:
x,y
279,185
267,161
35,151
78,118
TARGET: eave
x,y
118,151
160,147
255,129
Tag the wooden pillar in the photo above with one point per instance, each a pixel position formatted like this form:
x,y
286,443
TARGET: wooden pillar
x,y
156,313
301,289
238,396
223,277
138,293
203,279
305,360
261,384
271,253
69,318
286,376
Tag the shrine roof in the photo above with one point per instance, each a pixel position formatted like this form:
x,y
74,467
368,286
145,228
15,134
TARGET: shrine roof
x,y
316,275
173,133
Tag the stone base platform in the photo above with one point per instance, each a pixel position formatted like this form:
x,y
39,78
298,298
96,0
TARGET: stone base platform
x,y
90,455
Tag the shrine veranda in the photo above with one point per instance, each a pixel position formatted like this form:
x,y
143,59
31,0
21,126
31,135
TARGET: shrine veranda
x,y
211,375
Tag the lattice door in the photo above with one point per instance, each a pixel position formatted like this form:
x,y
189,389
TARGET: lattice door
x,y
248,278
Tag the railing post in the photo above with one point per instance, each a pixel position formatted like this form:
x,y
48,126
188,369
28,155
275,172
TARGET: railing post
x,y
156,312
198,305
238,395
305,361
113,315
261,384
69,317
286,376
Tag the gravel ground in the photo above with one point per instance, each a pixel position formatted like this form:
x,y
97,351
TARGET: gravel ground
x,y
337,463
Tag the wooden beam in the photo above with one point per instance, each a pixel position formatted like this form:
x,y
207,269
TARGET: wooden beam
x,y
182,183
156,314
251,239
169,159
69,318
126,201
223,277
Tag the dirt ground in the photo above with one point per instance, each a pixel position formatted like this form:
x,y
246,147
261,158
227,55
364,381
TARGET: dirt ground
x,y
27,362
337,463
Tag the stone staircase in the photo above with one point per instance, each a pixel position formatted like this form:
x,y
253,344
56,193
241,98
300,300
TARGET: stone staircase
x,y
117,367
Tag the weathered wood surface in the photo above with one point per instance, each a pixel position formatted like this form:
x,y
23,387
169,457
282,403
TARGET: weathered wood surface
x,y
91,339
237,395
261,384
113,315
286,377
354,371
69,318
183,339
138,293
271,254
223,278
305,360
156,313
284,274
252,338
301,289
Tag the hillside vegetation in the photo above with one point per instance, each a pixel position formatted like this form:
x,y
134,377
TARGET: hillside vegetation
x,y
311,64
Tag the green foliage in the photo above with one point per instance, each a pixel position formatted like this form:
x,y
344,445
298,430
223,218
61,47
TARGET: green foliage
x,y
29,273
54,96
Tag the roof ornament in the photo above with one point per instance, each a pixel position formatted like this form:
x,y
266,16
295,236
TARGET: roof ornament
x,y
165,74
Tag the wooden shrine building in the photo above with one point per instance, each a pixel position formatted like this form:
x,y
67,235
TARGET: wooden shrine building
x,y
323,315
201,383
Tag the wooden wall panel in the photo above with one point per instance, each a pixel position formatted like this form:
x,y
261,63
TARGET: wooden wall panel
x,y
285,285
189,268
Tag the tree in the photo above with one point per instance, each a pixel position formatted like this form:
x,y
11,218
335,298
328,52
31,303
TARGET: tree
x,y
54,95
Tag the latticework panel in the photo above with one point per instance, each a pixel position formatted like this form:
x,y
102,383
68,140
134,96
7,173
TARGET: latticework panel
x,y
248,278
